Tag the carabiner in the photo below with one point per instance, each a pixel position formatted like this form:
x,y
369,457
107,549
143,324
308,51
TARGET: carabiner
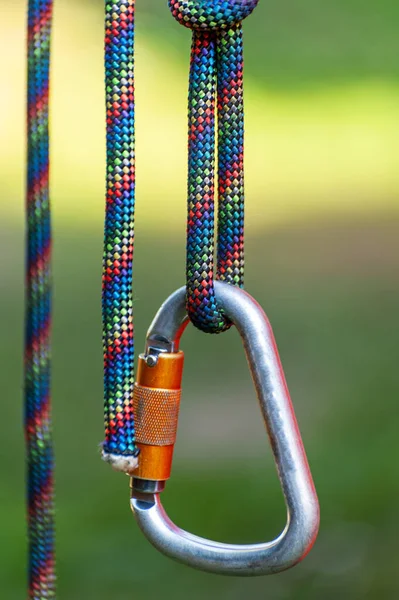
x,y
157,398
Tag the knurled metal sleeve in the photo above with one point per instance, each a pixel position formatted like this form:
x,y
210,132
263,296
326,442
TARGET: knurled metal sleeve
x,y
156,415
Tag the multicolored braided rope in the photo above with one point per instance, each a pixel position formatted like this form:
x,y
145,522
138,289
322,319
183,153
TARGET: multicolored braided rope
x,y
40,492
117,301
216,69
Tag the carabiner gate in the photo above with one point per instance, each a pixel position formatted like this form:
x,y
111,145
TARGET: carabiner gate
x,y
156,399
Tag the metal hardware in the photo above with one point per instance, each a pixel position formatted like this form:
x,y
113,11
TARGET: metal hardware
x,y
156,403
301,529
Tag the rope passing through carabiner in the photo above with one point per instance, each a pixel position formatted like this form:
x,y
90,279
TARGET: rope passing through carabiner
x,y
216,70
39,448
216,67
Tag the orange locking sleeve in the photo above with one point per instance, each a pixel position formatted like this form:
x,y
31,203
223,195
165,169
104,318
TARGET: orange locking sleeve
x,y
156,402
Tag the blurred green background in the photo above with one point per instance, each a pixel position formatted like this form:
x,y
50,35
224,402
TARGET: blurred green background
x,y
322,171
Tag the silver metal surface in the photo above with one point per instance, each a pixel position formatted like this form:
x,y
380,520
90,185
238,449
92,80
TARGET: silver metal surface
x,y
151,360
145,486
301,528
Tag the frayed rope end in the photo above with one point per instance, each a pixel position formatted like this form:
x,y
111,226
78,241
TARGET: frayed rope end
x,y
122,464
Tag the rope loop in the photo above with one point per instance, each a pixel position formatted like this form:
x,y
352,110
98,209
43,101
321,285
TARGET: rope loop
x,y
211,14
215,117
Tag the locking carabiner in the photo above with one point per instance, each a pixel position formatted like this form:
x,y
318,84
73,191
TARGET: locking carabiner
x,y
156,399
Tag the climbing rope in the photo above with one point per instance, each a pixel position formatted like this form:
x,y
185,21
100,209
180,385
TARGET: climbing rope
x,y
40,486
117,300
216,71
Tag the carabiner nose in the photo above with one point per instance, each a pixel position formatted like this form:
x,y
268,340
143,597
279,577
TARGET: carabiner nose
x,y
301,528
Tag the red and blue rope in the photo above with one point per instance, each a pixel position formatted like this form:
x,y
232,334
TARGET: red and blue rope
x,y
40,485
117,300
216,72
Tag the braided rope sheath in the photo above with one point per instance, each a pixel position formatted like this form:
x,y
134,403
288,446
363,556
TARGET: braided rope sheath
x,y
230,251
40,492
117,301
216,67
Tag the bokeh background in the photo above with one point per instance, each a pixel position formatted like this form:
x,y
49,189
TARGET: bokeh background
x,y
322,172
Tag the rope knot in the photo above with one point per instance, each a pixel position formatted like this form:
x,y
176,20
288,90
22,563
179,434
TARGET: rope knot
x,y
211,14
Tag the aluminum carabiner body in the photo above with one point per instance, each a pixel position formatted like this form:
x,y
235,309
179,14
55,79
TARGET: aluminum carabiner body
x,y
157,398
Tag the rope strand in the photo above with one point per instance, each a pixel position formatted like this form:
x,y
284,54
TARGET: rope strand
x,y
215,71
38,435
119,447
230,247
216,67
